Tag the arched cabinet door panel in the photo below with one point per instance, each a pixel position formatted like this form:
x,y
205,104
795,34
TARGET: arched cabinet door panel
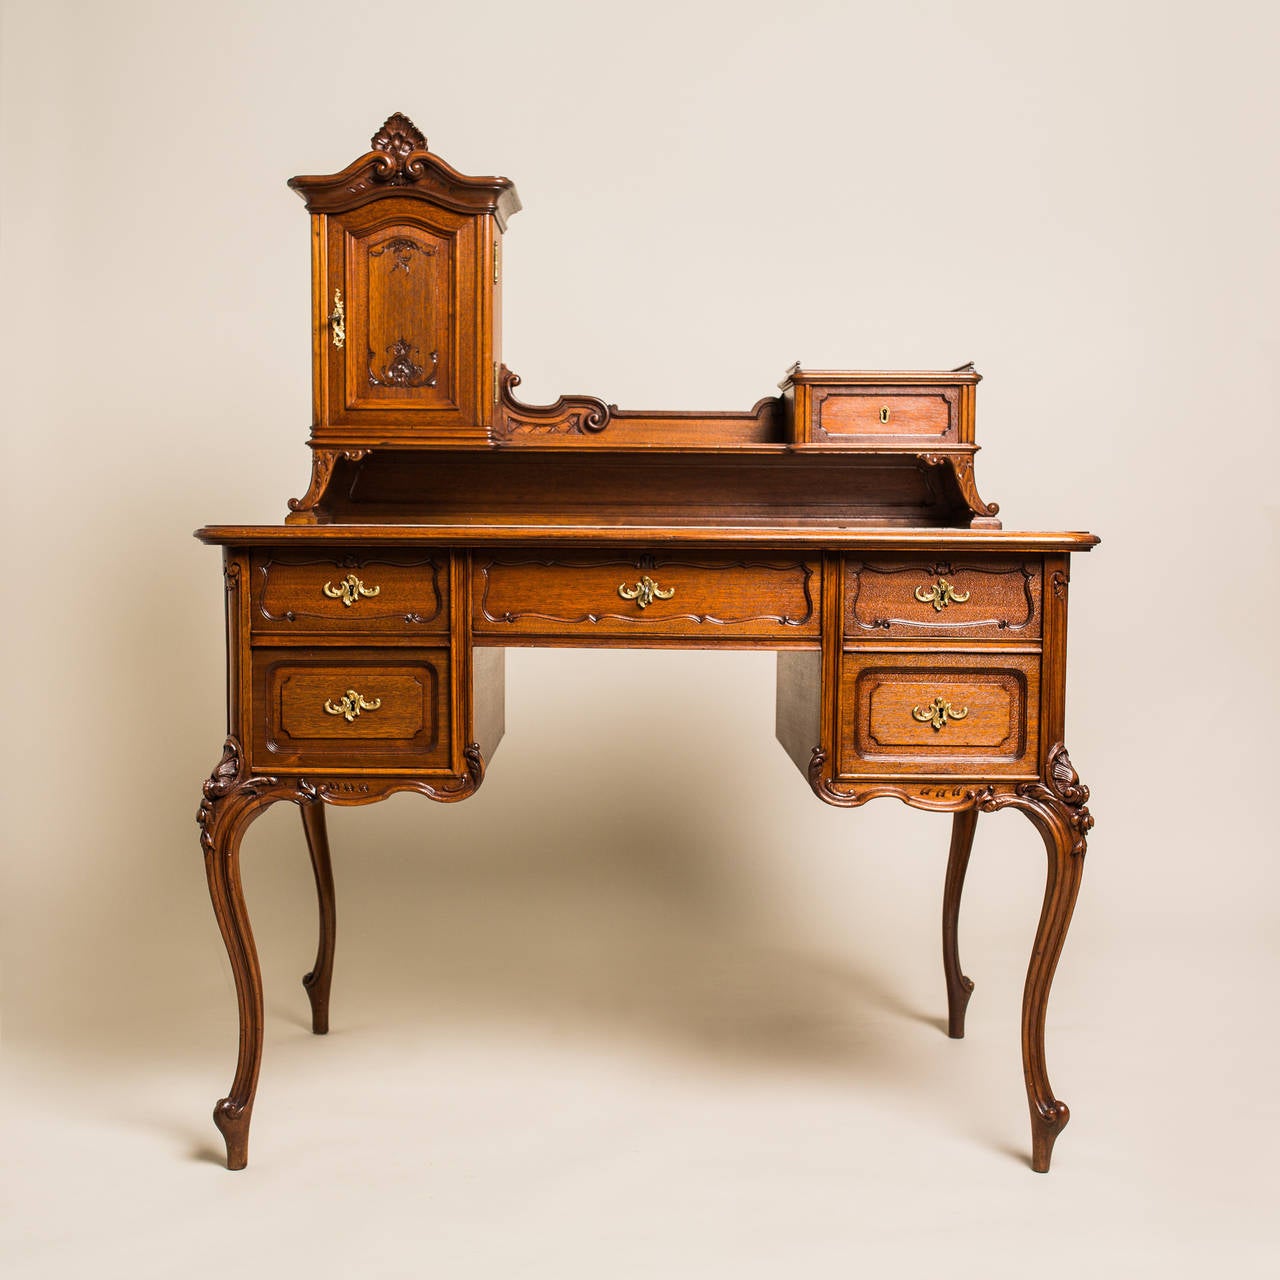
x,y
402,322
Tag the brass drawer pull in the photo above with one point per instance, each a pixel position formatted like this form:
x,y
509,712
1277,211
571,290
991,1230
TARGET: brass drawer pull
x,y
941,594
645,592
349,590
338,321
351,704
938,712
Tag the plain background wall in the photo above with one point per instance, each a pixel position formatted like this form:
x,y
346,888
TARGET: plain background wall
x,y
644,953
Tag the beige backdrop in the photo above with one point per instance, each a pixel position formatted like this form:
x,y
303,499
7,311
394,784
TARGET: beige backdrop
x,y
644,1007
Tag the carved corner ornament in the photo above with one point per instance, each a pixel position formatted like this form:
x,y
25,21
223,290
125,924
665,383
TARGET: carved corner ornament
x,y
224,790
568,415
1064,787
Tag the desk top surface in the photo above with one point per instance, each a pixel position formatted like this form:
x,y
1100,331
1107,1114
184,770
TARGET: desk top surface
x,y
814,536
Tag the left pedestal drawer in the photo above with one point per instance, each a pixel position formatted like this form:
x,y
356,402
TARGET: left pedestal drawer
x,y
299,592
351,710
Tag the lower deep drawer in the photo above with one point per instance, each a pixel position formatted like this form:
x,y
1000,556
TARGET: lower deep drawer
x,y
351,709
939,714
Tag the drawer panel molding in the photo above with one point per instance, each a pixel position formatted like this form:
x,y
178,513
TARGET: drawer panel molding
x,y
938,714
296,592
998,598
657,595
351,709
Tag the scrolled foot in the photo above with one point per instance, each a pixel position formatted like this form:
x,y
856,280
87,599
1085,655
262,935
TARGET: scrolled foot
x,y
957,1003
1046,1123
318,993
232,1119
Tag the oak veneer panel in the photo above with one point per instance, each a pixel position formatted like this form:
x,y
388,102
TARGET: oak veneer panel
x,y
880,735
1004,597
408,732
579,595
288,597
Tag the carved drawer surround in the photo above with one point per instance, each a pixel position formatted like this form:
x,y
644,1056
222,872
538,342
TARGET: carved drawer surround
x,y
360,589
710,596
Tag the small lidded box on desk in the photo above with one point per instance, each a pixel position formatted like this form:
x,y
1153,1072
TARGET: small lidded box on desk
x,y
877,407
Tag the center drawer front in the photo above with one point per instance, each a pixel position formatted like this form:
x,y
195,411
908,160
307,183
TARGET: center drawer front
x,y
606,594
939,714
351,709
300,592
919,597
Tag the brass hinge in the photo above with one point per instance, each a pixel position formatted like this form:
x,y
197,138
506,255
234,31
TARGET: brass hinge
x,y
495,382
495,259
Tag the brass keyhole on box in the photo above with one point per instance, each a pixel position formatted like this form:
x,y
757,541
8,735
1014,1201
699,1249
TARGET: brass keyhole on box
x,y
884,413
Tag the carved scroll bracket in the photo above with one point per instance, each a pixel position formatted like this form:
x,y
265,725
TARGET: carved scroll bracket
x,y
569,415
960,466
309,509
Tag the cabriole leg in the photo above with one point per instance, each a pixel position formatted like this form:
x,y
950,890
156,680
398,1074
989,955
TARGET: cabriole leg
x,y
1059,809
1049,1116
959,987
317,982
231,802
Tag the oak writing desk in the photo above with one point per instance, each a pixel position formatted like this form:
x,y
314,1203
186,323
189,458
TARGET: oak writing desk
x,y
921,648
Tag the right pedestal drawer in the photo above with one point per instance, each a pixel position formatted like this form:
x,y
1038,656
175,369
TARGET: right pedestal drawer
x,y
922,598
931,714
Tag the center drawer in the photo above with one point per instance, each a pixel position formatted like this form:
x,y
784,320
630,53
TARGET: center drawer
x,y
588,594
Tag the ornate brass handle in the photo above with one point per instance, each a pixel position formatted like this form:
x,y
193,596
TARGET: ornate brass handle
x,y
645,592
338,321
938,712
349,590
941,594
351,704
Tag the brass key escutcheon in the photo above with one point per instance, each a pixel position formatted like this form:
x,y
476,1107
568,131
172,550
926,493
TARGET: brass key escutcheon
x,y
938,712
645,592
351,704
940,595
349,590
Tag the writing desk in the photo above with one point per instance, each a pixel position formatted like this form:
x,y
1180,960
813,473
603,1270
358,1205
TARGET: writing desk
x,y
921,647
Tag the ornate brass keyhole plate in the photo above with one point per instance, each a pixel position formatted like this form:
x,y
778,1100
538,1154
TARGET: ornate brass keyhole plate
x,y
645,592
351,704
349,590
938,712
940,595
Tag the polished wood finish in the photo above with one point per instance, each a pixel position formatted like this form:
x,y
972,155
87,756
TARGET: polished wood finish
x,y
923,597
349,591
651,596
318,980
921,648
990,731
959,987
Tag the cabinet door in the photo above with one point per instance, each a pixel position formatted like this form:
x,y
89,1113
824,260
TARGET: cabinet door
x,y
409,278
